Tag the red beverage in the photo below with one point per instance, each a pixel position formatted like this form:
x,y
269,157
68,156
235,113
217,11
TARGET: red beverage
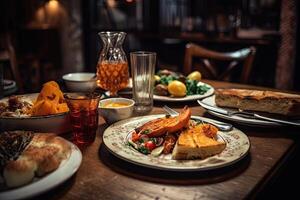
x,y
112,76
83,116
84,126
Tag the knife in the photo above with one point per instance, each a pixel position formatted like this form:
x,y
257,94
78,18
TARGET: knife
x,y
257,116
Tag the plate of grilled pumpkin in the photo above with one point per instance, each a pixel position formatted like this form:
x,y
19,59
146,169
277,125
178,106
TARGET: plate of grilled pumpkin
x,y
180,143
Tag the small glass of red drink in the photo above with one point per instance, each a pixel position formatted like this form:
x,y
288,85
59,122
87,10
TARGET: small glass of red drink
x,y
83,116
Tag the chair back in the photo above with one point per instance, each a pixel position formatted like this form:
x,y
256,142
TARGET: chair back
x,y
210,69
8,54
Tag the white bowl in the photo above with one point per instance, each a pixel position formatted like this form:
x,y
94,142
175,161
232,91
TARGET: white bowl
x,y
56,123
112,115
80,82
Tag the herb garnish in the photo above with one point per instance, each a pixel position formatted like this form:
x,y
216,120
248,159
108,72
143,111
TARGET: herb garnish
x,y
147,131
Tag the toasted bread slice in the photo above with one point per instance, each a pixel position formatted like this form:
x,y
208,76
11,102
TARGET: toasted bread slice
x,y
194,143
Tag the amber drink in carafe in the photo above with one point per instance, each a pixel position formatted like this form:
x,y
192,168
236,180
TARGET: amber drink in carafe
x,y
112,68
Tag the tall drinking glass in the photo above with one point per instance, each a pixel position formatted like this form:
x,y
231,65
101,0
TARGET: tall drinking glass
x,y
142,71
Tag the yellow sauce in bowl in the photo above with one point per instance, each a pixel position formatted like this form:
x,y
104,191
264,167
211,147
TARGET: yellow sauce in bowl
x,y
116,105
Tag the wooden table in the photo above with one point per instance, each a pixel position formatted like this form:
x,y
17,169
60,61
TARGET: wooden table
x,y
103,176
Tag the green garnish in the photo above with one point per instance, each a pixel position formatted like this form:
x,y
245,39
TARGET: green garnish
x,y
153,140
193,87
141,140
147,131
143,150
165,80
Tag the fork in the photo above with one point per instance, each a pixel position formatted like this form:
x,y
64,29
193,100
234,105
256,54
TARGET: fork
x,y
220,125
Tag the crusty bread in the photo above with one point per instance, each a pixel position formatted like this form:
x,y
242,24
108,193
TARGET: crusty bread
x,y
195,143
256,100
43,155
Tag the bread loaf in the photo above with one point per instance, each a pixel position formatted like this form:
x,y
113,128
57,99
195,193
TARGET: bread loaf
x,y
42,155
258,100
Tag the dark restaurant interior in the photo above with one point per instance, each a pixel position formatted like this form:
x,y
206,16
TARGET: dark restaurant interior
x,y
51,38
41,40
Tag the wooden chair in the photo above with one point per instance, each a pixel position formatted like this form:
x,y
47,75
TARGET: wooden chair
x,y
7,54
210,70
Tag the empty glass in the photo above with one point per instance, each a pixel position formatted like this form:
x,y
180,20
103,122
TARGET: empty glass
x,y
142,71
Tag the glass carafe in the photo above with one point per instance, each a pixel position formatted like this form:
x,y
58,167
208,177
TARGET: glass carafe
x,y
112,67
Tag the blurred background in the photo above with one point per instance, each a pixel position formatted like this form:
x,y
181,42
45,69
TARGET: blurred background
x,y
48,38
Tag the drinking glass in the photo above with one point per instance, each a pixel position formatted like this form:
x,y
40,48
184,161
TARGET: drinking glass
x,y
83,116
142,71
112,68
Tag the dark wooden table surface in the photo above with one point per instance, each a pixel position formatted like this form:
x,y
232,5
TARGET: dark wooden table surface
x,y
103,176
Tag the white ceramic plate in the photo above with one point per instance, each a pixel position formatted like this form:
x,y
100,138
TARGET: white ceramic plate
x,y
186,98
239,119
57,123
66,169
114,138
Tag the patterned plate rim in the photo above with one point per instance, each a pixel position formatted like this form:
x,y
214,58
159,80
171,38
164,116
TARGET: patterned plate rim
x,y
124,156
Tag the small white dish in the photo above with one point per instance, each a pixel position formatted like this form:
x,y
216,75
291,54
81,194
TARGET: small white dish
x,y
80,82
114,114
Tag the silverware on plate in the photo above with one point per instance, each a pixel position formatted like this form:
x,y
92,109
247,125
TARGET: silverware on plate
x,y
246,114
220,125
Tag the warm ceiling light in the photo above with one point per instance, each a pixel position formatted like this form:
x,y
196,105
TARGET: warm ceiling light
x,y
129,1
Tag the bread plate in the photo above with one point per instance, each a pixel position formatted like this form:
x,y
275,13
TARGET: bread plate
x,y
40,185
239,119
56,123
115,140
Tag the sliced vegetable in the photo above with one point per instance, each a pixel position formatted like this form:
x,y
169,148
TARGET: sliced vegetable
x,y
158,141
143,138
157,151
131,143
150,145
135,136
